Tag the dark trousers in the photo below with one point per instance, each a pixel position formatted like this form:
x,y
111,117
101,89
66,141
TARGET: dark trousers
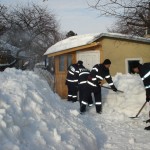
x,y
148,92
72,93
97,95
82,90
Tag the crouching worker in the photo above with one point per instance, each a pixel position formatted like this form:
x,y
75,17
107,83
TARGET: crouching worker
x,y
98,73
144,71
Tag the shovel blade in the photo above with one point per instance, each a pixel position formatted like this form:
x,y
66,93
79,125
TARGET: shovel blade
x,y
133,117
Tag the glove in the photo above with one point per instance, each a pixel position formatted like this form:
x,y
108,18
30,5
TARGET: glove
x,y
114,88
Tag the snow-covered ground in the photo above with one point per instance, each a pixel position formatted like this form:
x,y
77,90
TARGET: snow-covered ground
x,y
32,117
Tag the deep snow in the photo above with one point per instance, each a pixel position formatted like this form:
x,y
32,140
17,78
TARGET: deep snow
x,y
32,117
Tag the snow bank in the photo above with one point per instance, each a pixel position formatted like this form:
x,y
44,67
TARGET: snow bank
x,y
32,117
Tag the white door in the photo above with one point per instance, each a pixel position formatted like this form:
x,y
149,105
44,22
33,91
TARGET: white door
x,y
89,58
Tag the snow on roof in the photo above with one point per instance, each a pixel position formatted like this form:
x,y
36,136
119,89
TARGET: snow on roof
x,y
125,36
71,42
80,40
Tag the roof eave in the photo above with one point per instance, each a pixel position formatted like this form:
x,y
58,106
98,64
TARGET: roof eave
x,y
124,38
73,49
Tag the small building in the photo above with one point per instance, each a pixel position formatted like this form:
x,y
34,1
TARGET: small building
x,y
121,49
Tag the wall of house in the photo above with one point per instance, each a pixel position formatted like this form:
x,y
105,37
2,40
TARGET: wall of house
x,y
90,56
118,51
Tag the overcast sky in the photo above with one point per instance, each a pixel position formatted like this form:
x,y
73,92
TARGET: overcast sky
x,y
72,15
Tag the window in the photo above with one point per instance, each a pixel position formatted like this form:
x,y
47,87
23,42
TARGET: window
x,y
69,60
130,61
62,63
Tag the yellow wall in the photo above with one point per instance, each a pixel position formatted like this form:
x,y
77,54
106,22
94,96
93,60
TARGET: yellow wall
x,y
118,50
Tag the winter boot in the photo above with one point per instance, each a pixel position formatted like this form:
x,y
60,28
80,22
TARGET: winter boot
x,y
82,108
147,120
99,109
147,128
69,98
100,112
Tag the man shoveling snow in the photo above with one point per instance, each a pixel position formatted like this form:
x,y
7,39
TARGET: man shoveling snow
x,y
144,71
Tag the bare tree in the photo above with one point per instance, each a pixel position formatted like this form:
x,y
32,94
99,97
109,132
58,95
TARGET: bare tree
x,y
32,29
121,26
3,19
134,14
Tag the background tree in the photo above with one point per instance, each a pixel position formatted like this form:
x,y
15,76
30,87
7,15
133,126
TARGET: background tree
x,y
3,18
32,29
120,26
133,15
70,33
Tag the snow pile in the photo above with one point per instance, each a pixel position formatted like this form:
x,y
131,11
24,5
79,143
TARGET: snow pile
x,y
32,117
129,102
45,75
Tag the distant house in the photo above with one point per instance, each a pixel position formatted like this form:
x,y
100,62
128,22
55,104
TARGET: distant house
x,y
121,49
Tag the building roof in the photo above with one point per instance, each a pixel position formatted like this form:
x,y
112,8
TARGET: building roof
x,y
80,40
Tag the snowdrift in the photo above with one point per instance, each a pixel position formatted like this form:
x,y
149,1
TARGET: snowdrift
x,y
32,117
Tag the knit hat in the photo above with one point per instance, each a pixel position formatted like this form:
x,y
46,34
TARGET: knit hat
x,y
106,62
135,64
80,62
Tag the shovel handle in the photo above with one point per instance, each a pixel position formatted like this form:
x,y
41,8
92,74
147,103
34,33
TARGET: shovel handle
x,y
141,109
111,89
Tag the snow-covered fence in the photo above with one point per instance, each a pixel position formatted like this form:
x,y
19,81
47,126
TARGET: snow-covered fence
x,y
46,75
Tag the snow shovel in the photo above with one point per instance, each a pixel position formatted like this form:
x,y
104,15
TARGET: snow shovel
x,y
139,111
111,89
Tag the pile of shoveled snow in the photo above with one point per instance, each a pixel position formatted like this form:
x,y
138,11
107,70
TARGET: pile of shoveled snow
x,y
32,117
129,102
